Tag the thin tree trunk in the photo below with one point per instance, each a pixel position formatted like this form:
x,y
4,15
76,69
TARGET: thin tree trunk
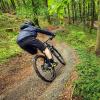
x,y
73,12
97,49
80,11
84,12
88,12
65,12
92,13
69,13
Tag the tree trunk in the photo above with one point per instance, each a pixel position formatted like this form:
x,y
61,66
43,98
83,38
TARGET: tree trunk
x,y
88,11
92,13
80,11
84,12
69,14
97,49
73,11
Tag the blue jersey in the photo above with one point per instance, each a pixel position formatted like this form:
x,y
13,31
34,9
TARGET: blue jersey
x,y
32,31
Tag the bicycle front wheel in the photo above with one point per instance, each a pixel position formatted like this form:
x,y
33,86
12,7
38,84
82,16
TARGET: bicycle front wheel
x,y
42,70
58,56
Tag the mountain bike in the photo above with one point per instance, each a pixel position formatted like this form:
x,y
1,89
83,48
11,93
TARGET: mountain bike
x,y
41,66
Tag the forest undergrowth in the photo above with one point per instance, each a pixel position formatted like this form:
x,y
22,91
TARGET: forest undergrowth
x,y
87,87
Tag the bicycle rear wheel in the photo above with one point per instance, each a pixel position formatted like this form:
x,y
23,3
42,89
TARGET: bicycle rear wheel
x,y
45,74
58,56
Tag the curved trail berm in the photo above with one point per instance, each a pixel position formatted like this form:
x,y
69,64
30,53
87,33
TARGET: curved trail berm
x,y
31,87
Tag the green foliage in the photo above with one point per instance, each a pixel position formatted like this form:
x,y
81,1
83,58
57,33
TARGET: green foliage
x,y
8,49
31,11
8,46
88,84
26,12
56,7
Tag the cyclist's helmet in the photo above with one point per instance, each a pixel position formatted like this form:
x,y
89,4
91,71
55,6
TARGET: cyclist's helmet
x,y
26,24
30,23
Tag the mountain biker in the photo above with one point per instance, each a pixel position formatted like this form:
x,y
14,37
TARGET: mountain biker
x,y
27,40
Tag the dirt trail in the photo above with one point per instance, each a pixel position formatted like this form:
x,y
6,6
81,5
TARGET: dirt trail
x,y
18,80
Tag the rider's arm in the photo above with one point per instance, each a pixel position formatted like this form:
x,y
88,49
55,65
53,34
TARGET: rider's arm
x,y
45,32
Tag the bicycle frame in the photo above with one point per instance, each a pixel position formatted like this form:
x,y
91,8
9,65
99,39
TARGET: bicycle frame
x,y
48,45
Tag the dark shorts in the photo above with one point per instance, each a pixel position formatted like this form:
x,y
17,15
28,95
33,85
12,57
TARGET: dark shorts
x,y
31,45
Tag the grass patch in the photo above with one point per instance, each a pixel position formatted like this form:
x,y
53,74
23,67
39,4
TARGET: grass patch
x,y
88,84
8,49
8,46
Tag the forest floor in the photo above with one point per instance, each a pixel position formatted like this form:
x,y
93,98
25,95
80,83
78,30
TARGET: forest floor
x,y
18,80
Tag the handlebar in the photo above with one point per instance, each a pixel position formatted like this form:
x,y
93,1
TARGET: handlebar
x,y
50,38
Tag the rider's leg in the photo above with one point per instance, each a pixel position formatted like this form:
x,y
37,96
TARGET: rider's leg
x,y
38,44
48,54
50,60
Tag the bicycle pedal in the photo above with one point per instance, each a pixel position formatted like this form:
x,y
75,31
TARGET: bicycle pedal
x,y
54,64
45,67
